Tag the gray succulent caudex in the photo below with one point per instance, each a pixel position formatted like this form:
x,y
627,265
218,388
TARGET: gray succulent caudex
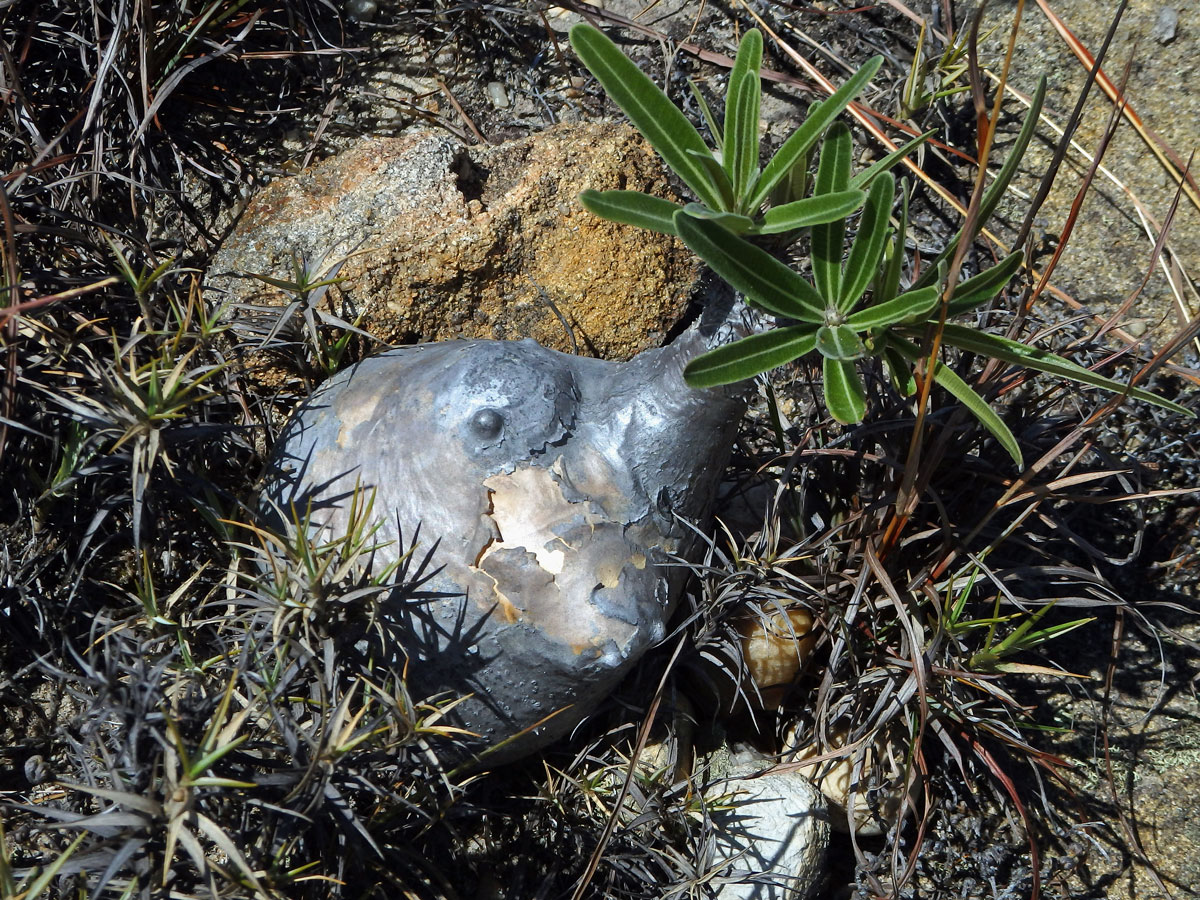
x,y
550,492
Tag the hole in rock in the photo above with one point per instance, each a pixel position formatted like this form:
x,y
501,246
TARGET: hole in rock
x,y
469,178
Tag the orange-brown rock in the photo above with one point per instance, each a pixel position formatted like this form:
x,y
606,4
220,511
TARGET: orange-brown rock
x,y
445,241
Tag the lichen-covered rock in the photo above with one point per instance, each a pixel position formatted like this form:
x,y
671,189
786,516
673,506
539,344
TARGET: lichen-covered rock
x,y
546,492
446,241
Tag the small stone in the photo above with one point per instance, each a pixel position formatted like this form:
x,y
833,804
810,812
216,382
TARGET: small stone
x,y
562,19
775,646
362,11
857,804
1165,25
36,771
497,95
1136,327
775,832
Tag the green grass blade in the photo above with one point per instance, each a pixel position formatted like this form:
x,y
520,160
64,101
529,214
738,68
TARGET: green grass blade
x,y
833,174
867,175
650,110
863,262
984,286
1018,354
632,208
804,137
908,307
707,114
899,371
810,211
845,395
766,282
741,116
211,758
992,195
1035,639
750,356
966,395
738,224
840,342
887,285
1016,640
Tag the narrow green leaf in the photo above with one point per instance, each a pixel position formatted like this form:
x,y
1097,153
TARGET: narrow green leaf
x,y
632,208
1022,638
1041,636
978,407
206,781
742,103
804,137
995,192
764,280
795,183
984,286
908,307
840,342
966,395
867,248
750,356
867,175
844,392
706,112
1014,639
833,173
650,110
914,96
1018,354
810,211
718,180
210,759
733,222
992,195
899,371
887,282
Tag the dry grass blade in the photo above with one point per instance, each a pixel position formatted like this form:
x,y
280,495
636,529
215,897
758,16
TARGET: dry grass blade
x,y
907,494
642,737
1077,203
1167,157
10,302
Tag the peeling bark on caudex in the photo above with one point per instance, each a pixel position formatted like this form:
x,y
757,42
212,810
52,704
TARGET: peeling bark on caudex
x,y
548,491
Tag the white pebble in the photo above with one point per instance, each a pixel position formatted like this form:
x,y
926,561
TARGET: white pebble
x,y
497,94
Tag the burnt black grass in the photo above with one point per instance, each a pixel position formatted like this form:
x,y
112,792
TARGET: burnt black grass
x,y
194,704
